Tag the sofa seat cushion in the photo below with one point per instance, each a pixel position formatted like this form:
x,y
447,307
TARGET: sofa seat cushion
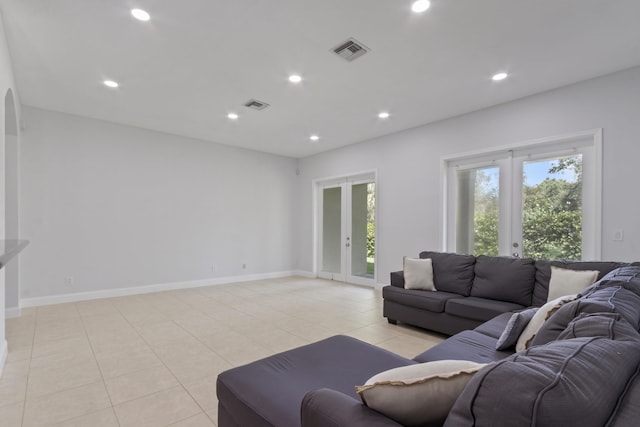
x,y
495,326
269,392
452,272
479,308
426,300
467,345
575,382
504,279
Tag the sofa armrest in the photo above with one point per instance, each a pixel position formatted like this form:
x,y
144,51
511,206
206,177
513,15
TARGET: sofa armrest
x,y
397,279
330,408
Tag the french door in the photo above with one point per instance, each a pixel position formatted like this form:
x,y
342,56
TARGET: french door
x,y
536,201
346,229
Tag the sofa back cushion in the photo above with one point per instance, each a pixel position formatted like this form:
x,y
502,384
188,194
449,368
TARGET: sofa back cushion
x,y
451,272
571,382
618,292
543,274
504,279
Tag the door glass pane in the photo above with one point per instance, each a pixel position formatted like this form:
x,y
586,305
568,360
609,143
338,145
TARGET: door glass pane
x,y
477,211
363,229
552,208
332,230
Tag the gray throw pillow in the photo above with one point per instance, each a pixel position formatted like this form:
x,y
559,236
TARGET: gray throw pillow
x,y
514,328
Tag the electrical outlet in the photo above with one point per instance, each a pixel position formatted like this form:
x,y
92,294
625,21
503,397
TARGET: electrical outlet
x,y
68,281
618,235
214,268
244,266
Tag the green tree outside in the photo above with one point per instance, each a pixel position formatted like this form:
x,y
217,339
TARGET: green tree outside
x,y
552,214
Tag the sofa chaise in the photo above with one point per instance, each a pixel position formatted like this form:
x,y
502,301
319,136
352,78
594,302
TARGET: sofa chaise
x,y
582,368
472,290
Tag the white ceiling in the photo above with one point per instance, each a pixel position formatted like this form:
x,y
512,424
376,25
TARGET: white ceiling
x,y
197,60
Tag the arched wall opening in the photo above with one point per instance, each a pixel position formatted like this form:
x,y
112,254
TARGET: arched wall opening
x,y
11,203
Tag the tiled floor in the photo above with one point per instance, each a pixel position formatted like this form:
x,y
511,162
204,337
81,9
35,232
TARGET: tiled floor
x,y
152,360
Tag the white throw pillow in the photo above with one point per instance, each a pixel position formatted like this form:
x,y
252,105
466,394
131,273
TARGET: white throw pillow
x,y
418,274
420,394
568,282
541,316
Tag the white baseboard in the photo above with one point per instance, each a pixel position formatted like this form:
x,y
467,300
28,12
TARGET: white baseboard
x,y
137,290
4,352
12,312
304,273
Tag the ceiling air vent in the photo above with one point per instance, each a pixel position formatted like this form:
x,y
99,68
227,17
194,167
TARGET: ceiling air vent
x,y
350,49
256,105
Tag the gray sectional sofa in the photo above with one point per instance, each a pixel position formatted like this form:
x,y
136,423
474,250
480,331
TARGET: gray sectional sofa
x,y
583,369
472,290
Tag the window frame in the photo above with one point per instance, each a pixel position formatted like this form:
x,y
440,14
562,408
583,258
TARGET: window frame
x,y
588,143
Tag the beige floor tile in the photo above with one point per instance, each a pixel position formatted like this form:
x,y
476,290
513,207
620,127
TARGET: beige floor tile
x,y
204,392
143,315
23,325
199,324
12,390
58,330
213,415
115,341
102,418
49,379
157,334
372,334
77,353
189,371
159,409
129,360
183,350
11,415
15,370
65,405
71,345
57,312
200,420
278,340
96,307
138,384
18,355
20,341
160,353
98,323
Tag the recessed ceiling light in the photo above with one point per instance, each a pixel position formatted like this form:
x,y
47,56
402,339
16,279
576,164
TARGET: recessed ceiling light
x,y
499,76
232,116
141,15
294,78
314,137
420,6
383,115
111,84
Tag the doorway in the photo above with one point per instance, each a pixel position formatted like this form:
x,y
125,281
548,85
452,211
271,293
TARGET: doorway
x,y
346,223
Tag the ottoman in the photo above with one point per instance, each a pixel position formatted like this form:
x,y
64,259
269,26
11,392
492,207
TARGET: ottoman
x,y
269,392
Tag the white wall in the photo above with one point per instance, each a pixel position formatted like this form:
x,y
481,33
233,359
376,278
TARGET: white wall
x,y
113,206
409,162
6,83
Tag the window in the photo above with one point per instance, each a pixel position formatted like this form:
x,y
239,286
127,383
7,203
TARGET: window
x,y
539,200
